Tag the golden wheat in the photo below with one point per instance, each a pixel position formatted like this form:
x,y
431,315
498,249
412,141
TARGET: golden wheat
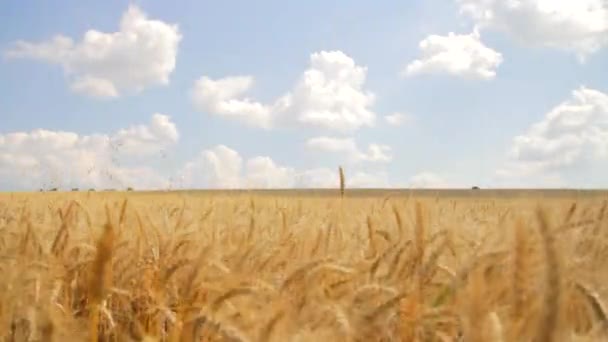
x,y
259,267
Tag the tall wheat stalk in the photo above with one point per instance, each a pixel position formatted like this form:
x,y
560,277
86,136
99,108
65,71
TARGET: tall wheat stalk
x,y
342,181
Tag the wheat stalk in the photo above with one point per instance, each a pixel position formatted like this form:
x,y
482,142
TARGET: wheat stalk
x,y
342,181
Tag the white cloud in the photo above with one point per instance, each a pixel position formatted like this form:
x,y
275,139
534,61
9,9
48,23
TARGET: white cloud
x,y
141,54
329,178
223,167
318,178
573,135
348,148
398,119
429,180
43,158
328,95
579,26
146,139
220,97
94,87
459,55
218,167
263,172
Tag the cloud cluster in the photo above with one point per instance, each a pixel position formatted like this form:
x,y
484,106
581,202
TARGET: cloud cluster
x,y
573,135
43,158
104,65
459,55
328,95
224,168
348,148
579,26
222,97
143,140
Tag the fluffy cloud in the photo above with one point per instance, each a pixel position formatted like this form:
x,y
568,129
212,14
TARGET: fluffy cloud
x,y
147,139
579,26
573,135
263,172
322,178
348,147
94,87
318,178
458,55
141,54
328,95
223,167
398,119
220,97
43,158
219,167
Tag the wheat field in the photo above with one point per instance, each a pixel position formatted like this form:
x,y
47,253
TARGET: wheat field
x,y
253,266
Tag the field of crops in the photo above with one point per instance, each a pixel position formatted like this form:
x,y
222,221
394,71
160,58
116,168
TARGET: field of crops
x,y
302,267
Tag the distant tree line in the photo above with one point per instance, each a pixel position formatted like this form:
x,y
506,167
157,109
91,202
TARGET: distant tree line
x,y
78,189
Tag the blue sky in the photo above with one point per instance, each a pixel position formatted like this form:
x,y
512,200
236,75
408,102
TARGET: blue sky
x,y
269,94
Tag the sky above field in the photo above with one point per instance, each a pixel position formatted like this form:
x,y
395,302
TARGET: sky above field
x,y
274,94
